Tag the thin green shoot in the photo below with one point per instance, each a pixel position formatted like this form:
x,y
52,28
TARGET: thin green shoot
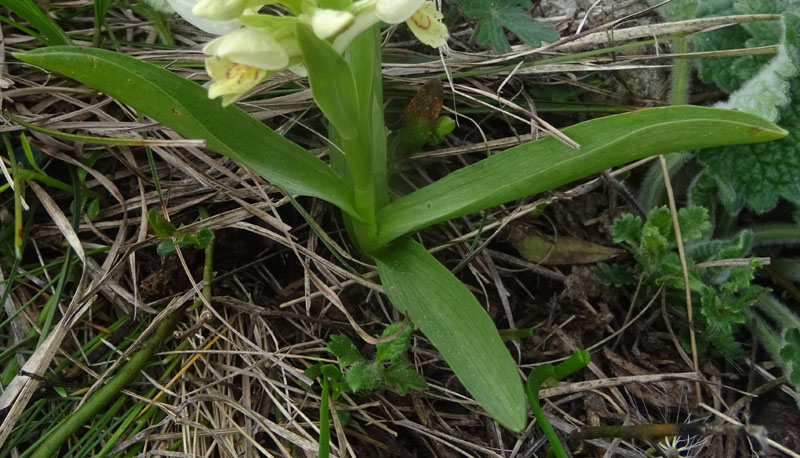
x,y
548,375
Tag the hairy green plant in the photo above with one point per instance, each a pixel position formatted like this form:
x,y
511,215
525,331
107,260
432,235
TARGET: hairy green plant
x,y
724,293
355,373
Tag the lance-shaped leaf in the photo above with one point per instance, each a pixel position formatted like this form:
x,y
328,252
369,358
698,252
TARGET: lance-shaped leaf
x,y
453,320
546,164
331,81
184,106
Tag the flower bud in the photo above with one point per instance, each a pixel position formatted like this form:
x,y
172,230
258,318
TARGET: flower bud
x,y
184,9
220,10
396,11
329,23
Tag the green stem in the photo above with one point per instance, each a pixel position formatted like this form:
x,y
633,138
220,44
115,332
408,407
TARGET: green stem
x,y
324,420
109,392
546,374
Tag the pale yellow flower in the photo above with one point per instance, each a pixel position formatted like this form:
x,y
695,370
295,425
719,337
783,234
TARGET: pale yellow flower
x,y
426,24
231,80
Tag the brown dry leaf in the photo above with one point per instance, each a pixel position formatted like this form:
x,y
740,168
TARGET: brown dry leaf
x,y
560,250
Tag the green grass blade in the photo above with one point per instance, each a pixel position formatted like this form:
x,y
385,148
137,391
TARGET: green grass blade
x,y
184,106
546,164
453,320
51,33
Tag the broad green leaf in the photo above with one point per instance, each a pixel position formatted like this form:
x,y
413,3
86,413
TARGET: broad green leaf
x,y
453,320
331,81
184,106
51,33
546,164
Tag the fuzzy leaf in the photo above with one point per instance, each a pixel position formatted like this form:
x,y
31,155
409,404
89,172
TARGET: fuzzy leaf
x,y
627,229
363,376
764,174
790,354
491,16
390,351
404,377
614,275
694,222
343,348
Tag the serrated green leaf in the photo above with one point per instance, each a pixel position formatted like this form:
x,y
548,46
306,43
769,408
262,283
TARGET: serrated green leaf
x,y
390,351
184,106
652,249
404,377
628,229
547,163
332,82
343,348
491,16
363,376
614,275
453,320
694,222
660,219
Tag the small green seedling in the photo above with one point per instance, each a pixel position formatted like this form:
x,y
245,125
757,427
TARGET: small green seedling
x,y
548,375
175,235
355,373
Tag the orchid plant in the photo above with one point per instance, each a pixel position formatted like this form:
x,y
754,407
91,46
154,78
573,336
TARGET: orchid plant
x,y
336,43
